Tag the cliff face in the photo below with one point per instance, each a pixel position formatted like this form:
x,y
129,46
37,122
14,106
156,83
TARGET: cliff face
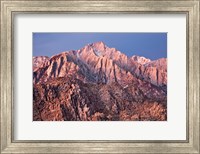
x,y
99,63
39,62
99,83
72,100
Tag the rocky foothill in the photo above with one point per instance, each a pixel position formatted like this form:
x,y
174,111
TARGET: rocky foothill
x,y
98,83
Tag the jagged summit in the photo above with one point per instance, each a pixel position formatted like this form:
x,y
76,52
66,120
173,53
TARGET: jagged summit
x,y
39,61
99,44
98,63
140,59
99,83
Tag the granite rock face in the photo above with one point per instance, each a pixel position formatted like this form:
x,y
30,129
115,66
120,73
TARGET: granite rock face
x,y
39,62
99,83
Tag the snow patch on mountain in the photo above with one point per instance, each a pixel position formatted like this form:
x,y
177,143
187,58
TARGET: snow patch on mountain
x,y
98,53
140,59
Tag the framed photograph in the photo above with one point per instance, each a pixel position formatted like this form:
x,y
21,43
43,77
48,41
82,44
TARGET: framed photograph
x,y
100,76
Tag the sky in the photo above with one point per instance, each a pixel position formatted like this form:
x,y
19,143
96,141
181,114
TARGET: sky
x,y
149,45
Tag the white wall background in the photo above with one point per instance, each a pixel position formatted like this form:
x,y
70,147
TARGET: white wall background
x,y
172,129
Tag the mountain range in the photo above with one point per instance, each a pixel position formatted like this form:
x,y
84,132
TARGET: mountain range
x,y
99,83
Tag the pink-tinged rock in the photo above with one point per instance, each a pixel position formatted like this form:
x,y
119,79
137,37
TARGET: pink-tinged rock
x,y
99,83
140,60
40,61
98,63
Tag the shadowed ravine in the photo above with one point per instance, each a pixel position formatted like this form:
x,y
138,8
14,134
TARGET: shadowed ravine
x,y
99,83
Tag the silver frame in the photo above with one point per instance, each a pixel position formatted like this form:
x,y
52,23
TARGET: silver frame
x,y
11,7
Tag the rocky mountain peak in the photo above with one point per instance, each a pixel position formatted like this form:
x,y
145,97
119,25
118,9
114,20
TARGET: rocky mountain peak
x,y
98,83
98,48
140,59
99,45
39,61
98,63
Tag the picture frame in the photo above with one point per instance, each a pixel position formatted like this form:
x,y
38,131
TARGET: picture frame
x,y
8,10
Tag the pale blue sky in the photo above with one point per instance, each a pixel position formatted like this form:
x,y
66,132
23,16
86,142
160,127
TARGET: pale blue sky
x,y
149,45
